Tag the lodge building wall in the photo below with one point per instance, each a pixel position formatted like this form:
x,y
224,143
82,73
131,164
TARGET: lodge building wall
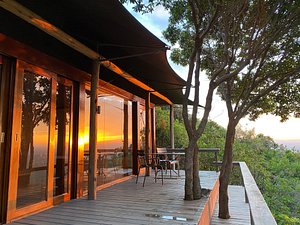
x,y
44,130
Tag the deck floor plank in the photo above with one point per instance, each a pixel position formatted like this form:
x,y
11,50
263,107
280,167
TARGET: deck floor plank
x,y
130,203
238,209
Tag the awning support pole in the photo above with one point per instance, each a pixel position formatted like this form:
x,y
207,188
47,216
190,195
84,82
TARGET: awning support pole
x,y
147,134
153,131
135,137
92,176
172,131
172,126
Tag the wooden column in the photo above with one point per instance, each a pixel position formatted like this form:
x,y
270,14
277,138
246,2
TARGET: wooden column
x,y
172,126
92,178
135,136
75,164
153,130
125,132
78,133
147,130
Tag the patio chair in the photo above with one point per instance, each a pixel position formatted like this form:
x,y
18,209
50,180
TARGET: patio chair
x,y
169,160
151,162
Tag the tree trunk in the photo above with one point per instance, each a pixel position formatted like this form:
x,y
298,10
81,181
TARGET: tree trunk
x,y
226,171
26,149
31,154
196,178
188,167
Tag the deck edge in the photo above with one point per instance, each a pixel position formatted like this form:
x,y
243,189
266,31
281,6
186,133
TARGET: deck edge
x,y
208,210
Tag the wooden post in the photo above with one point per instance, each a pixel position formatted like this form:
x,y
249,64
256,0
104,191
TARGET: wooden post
x,y
147,131
92,178
125,132
172,126
153,130
135,136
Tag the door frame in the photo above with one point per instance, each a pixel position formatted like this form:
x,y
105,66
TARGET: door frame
x,y
67,196
12,211
6,89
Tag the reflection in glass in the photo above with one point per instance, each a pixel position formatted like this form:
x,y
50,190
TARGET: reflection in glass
x,y
114,138
110,137
33,160
86,139
129,136
114,154
62,135
142,127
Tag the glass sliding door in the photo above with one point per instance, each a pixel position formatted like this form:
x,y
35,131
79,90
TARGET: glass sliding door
x,y
34,147
32,144
114,138
110,138
63,126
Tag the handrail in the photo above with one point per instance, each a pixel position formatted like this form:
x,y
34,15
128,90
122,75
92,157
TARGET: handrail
x,y
213,150
200,149
259,211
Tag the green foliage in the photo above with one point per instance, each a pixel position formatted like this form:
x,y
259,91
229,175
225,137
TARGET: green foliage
x,y
275,169
254,47
163,128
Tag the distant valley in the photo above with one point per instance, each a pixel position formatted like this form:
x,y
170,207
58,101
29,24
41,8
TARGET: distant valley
x,y
290,144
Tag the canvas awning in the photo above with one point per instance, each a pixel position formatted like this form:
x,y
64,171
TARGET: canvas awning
x,y
107,28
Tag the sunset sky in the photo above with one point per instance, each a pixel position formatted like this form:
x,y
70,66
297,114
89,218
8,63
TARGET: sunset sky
x,y
287,132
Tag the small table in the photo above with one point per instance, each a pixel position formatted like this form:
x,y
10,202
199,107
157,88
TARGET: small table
x,y
175,156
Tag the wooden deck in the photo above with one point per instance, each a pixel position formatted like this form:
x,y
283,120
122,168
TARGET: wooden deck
x,y
130,203
239,210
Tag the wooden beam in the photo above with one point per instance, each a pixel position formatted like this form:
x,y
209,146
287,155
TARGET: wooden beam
x,y
92,178
37,21
127,76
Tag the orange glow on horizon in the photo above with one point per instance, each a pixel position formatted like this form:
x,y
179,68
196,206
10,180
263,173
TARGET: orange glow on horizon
x,y
101,137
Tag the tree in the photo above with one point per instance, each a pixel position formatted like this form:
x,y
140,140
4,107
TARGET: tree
x,y
263,37
238,44
35,109
190,26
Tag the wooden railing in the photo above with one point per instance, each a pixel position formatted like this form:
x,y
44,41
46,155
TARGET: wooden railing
x,y
209,150
259,211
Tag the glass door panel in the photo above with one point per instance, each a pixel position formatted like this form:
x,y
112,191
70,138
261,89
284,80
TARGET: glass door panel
x,y
2,133
86,140
62,137
34,146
